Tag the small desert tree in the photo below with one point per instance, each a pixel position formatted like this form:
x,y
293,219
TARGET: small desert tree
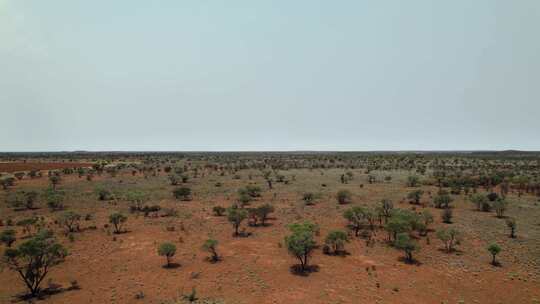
x,y
355,216
344,196
413,181
54,180
218,210
34,258
168,250
210,246
263,211
494,250
415,196
69,219
500,206
511,223
450,237
404,242
182,193
336,240
8,237
118,220
447,215
426,218
480,201
236,216
301,242
442,201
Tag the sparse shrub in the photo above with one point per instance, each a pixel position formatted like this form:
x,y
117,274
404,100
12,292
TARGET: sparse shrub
x,y
69,219
118,220
104,194
308,198
263,211
500,206
210,246
447,215
492,196
442,201
336,240
219,210
427,219
413,181
236,216
8,237
168,250
54,180
355,216
480,201
344,197
511,223
494,250
450,237
415,196
182,193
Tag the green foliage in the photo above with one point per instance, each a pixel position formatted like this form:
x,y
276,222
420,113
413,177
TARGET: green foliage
x,y
168,250
336,239
500,206
494,249
69,219
54,199
450,237
219,210
301,242
118,220
344,196
413,181
512,224
404,242
480,201
182,193
447,215
263,211
442,201
34,258
415,196
8,237
210,246
236,216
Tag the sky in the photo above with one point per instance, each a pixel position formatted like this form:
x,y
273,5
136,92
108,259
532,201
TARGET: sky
x,y
269,75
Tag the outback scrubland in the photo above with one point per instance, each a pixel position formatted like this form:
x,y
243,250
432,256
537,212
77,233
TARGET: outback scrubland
x,y
460,227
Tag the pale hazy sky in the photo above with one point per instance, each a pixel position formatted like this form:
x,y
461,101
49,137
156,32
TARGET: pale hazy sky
x,y
269,75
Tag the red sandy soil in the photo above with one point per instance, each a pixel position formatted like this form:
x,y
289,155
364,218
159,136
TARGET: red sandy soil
x,y
29,166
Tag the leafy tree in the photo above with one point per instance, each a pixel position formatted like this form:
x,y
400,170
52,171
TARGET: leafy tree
x,y
511,223
218,210
500,206
427,219
480,201
263,211
236,216
492,196
54,199
8,237
28,224
7,181
301,242
450,237
405,243
34,258
30,198
168,250
336,239
355,216
118,220
104,194
413,181
54,180
182,193
442,201
494,249
415,196
447,215
69,219
137,199
210,246
386,208
344,196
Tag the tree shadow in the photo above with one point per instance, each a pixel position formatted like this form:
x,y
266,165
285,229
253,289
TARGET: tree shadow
x,y
296,269
45,293
171,266
410,262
